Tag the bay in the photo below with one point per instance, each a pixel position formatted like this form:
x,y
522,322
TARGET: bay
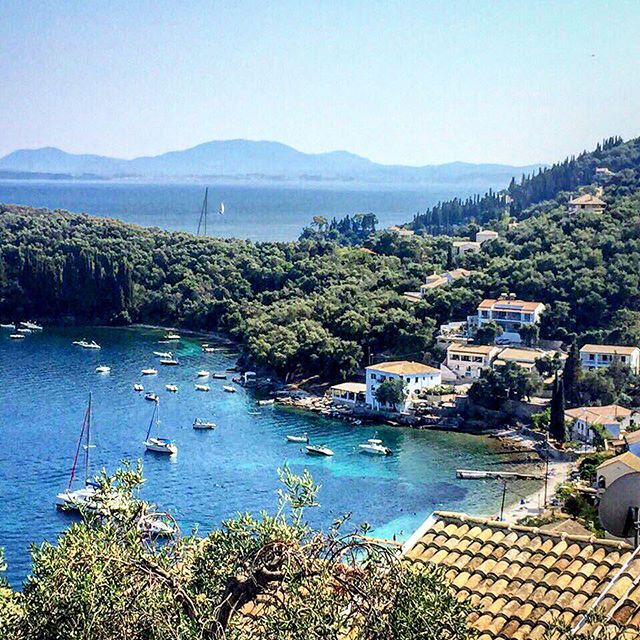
x,y
255,212
44,385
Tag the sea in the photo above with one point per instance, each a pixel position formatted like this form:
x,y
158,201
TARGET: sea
x,y
45,382
258,212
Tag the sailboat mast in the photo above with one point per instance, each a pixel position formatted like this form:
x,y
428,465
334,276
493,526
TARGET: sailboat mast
x,y
155,409
203,212
88,443
72,475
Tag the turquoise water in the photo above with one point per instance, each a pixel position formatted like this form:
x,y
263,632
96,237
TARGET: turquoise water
x,y
44,385
264,212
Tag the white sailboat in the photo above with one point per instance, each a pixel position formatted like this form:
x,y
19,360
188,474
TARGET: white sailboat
x,y
77,499
157,444
221,209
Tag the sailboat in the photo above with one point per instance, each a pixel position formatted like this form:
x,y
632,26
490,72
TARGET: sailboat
x,y
157,444
76,499
221,209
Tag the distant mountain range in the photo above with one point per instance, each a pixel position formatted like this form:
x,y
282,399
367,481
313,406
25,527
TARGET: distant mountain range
x,y
247,159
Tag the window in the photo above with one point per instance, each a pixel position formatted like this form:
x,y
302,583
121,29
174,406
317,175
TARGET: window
x,y
592,356
373,376
602,482
455,356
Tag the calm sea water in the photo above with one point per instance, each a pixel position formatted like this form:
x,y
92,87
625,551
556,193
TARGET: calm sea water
x,y
44,386
255,212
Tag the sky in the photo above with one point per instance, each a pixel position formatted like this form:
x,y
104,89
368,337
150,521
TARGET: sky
x,y
416,83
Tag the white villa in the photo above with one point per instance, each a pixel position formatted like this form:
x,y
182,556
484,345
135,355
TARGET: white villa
x,y
460,247
414,374
467,361
509,312
599,356
611,420
586,202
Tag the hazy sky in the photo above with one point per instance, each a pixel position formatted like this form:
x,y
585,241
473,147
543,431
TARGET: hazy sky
x,y
399,82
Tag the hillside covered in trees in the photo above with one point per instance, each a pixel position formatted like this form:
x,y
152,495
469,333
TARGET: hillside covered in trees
x,y
317,307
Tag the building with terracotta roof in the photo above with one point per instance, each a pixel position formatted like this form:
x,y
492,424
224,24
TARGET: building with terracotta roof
x,y
415,376
523,357
467,361
610,421
524,580
509,312
586,202
600,356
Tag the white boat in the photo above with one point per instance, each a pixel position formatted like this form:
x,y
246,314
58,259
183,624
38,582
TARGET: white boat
x,y
163,354
264,403
138,387
87,345
203,424
171,387
202,387
24,330
151,397
219,376
203,374
208,349
229,389
17,336
375,446
154,526
103,368
169,362
149,372
77,499
31,325
8,326
172,336
318,450
157,444
303,438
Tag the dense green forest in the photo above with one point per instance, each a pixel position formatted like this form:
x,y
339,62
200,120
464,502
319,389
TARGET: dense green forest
x,y
323,306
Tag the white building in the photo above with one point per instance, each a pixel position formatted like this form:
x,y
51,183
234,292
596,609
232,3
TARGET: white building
x,y
610,421
485,234
460,247
349,393
415,376
509,312
610,470
467,361
599,356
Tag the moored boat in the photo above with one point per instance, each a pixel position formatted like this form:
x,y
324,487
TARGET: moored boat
x,y
302,438
163,354
203,374
318,450
149,372
171,387
219,376
8,326
169,362
264,403
229,389
202,387
203,424
24,330
375,446
31,325
138,387
151,397
156,443
103,368
17,336
172,336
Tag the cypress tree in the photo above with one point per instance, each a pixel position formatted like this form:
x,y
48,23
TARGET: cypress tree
x,y
570,375
556,423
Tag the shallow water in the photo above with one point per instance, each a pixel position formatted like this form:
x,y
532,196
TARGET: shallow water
x,y
44,386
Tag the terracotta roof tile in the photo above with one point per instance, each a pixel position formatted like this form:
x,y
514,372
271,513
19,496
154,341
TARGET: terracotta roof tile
x,y
525,579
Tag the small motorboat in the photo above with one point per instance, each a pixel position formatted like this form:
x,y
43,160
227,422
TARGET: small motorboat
x,y
203,424
264,403
169,362
318,450
375,446
163,354
151,397
203,374
149,372
103,368
172,336
17,336
8,326
156,527
31,326
202,387
138,387
171,387
219,376
229,389
24,330
207,349
303,438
